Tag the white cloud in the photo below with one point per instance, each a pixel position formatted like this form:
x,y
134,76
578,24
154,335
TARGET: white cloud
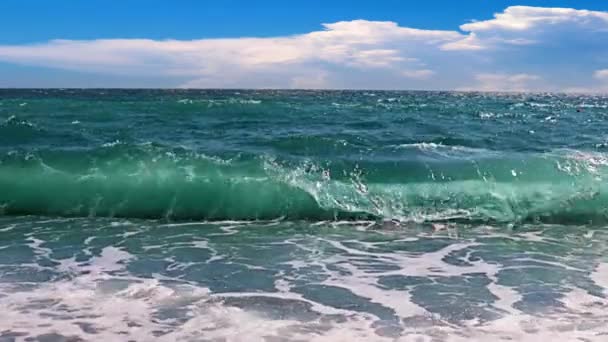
x,y
601,74
522,18
524,25
559,48
354,44
505,82
469,43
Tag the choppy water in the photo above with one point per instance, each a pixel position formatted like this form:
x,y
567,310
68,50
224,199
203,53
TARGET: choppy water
x,y
291,215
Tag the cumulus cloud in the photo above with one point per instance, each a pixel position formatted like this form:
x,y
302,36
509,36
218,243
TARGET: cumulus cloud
x,y
522,18
525,25
469,43
356,44
350,43
521,48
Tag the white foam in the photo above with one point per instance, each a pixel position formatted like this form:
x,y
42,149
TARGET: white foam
x,y
600,276
133,313
100,296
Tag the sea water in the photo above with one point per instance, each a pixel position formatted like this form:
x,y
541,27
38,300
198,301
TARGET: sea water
x,y
241,215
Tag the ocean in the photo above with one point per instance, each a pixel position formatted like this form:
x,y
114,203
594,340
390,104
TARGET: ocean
x,y
286,215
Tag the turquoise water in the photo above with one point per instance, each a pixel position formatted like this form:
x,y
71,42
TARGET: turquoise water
x,y
302,215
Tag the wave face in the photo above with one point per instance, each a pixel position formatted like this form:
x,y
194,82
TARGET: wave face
x,y
247,155
155,182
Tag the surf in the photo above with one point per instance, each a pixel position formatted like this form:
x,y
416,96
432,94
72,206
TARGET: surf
x,y
155,182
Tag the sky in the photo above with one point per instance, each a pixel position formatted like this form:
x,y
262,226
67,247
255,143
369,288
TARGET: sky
x,y
495,45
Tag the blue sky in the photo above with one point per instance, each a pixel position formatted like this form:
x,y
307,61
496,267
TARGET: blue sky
x,y
386,44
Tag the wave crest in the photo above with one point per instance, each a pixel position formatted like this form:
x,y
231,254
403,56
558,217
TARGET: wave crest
x,y
154,182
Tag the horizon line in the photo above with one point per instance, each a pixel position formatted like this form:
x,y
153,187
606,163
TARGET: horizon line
x,y
317,89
